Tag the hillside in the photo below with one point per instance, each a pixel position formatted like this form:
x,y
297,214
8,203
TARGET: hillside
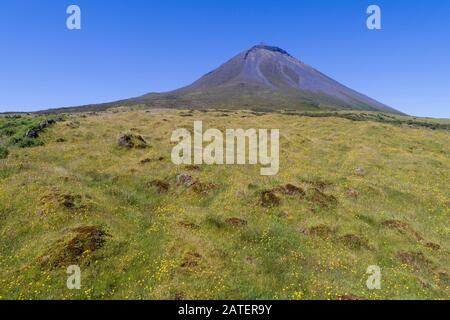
x,y
354,190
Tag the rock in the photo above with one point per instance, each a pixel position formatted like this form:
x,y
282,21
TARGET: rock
x,y
185,180
33,134
46,123
125,141
270,199
360,171
40,213
131,141
304,231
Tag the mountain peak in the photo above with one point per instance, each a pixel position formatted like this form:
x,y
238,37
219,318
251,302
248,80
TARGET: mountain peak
x,y
264,46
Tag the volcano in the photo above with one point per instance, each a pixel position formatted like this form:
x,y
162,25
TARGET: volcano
x,y
260,78
265,77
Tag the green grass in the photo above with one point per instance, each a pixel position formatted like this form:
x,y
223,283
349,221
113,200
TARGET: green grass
x,y
400,120
179,244
13,129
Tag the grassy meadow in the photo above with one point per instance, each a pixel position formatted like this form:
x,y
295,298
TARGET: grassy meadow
x,y
366,193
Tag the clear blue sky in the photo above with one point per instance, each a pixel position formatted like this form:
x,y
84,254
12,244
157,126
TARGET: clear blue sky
x,y
128,48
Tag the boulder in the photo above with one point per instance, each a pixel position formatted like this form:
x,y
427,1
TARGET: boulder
x,y
131,141
185,180
270,199
360,171
33,134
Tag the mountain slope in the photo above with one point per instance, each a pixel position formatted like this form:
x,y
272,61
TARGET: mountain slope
x,y
261,78
266,77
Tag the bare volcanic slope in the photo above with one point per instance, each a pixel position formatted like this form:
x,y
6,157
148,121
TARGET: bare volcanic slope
x,y
261,78
266,77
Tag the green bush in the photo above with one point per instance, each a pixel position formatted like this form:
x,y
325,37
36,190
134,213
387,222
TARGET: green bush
x,y
3,152
25,142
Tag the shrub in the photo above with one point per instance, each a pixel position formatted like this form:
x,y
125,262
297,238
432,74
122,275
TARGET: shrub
x,y
3,152
25,142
